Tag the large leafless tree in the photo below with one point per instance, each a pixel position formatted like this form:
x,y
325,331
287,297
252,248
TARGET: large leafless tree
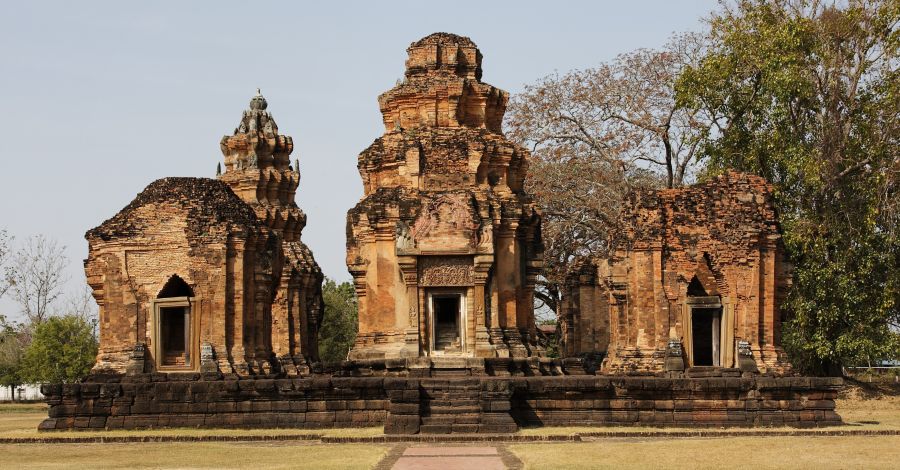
x,y
37,276
598,133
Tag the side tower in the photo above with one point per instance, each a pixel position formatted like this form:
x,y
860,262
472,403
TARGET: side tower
x,y
444,247
162,271
200,275
697,279
258,169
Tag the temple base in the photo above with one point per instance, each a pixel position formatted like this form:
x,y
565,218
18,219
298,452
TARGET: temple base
x,y
434,404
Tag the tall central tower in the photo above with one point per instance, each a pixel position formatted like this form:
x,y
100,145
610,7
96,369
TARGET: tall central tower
x,y
444,247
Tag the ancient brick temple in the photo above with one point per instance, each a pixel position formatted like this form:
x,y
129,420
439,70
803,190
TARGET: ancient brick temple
x,y
696,280
445,245
210,275
210,303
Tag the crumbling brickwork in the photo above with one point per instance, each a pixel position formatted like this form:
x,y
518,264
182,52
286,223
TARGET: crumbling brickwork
x,y
696,265
216,268
444,214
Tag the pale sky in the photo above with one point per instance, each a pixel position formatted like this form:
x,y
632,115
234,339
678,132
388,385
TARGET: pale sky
x,y
101,98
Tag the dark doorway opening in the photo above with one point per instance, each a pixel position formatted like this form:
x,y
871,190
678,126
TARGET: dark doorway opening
x,y
446,323
175,330
705,331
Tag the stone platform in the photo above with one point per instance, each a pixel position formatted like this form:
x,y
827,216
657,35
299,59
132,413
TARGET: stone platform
x,y
465,404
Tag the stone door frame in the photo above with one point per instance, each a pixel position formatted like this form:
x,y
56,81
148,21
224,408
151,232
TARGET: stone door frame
x,y
726,327
190,303
462,320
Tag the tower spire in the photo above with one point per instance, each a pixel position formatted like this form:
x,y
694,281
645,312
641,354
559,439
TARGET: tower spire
x,y
257,168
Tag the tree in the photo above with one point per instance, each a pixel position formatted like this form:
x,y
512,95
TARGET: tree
x,y
596,134
807,93
5,240
340,321
13,341
82,304
62,350
37,277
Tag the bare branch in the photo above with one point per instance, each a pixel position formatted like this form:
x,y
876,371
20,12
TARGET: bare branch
x,y
38,276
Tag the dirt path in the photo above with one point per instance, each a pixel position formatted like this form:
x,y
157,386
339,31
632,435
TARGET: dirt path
x,y
449,457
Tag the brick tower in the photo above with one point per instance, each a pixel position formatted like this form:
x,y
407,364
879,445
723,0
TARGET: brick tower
x,y
258,169
445,245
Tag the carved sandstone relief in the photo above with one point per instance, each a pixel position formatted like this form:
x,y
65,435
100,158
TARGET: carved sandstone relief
x,y
446,271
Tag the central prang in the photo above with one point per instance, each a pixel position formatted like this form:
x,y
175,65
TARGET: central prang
x,y
445,245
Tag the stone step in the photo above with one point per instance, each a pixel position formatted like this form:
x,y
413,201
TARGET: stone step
x,y
462,402
712,371
469,390
467,428
436,429
451,419
473,391
451,410
451,396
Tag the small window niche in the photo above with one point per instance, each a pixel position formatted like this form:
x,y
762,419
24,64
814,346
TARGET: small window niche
x,y
175,336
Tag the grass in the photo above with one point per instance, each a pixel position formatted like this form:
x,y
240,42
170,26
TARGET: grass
x,y
7,407
860,409
868,404
735,452
191,455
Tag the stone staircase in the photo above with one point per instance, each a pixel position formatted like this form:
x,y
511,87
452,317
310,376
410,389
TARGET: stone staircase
x,y
463,405
175,359
447,341
711,371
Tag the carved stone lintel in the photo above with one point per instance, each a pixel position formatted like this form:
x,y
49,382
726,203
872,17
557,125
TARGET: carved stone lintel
x,y
446,271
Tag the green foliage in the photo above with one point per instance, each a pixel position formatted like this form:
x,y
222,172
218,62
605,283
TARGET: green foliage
x,y
62,350
808,97
340,322
13,341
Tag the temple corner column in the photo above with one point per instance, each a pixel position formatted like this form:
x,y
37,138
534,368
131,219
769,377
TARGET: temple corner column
x,y
412,340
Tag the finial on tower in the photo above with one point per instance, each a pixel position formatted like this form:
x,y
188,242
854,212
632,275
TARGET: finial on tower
x,y
258,102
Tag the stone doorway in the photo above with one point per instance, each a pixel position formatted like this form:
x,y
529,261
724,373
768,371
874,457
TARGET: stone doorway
x,y
706,327
446,316
175,336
